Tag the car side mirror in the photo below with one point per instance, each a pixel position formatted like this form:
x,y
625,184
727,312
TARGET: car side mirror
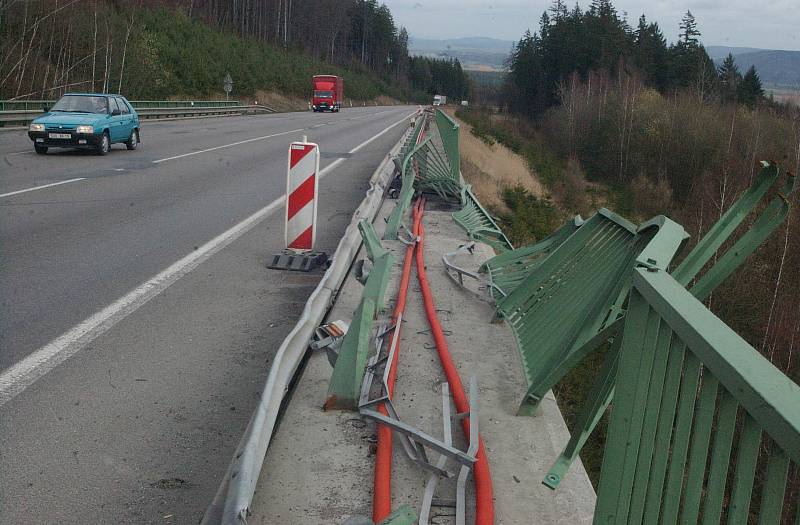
x,y
45,108
116,113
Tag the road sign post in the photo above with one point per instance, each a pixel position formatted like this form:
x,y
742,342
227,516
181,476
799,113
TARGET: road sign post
x,y
227,85
300,217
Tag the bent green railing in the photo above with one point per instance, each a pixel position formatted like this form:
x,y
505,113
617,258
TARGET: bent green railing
x,y
684,380
479,223
773,215
348,372
508,269
448,131
433,165
571,300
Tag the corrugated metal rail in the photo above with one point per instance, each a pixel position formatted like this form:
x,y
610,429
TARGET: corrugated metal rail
x,y
25,116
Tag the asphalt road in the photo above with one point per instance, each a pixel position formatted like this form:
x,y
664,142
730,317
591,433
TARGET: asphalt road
x,y
158,380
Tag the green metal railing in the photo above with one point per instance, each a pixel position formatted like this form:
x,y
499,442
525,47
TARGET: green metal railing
x,y
686,272
570,301
507,270
684,380
479,223
433,165
348,372
448,131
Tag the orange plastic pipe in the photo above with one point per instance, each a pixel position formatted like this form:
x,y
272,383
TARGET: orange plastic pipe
x,y
382,490
484,496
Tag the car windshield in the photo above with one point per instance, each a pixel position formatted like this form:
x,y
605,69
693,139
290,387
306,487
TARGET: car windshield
x,y
81,104
323,93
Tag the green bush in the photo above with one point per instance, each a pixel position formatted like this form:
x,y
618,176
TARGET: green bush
x,y
530,218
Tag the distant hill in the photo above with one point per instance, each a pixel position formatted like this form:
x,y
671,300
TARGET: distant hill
x,y
777,68
476,53
720,52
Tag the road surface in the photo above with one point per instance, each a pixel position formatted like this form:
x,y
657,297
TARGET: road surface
x,y
138,318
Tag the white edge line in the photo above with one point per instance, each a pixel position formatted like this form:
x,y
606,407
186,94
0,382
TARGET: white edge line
x,y
27,371
41,187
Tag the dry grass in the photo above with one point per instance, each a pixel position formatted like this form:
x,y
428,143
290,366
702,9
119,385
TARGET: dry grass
x,y
287,103
491,168
280,102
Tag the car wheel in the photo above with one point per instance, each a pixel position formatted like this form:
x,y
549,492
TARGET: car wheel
x,y
133,142
41,150
105,144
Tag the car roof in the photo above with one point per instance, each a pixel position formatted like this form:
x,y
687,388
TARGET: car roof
x,y
94,94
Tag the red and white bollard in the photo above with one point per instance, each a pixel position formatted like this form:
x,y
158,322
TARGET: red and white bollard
x,y
300,225
302,183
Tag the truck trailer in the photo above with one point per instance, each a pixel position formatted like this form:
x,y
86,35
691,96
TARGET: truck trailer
x,y
328,93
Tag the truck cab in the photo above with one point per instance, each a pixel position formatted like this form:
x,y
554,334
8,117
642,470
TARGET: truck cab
x,y
327,93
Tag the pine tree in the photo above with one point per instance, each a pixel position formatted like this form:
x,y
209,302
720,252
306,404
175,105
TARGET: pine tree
x,y
729,78
689,31
559,10
650,53
750,90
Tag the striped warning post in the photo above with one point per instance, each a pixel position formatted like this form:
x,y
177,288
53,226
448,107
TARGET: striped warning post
x,y
301,196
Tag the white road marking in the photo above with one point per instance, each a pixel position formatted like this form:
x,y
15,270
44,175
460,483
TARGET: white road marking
x,y
27,371
227,145
41,187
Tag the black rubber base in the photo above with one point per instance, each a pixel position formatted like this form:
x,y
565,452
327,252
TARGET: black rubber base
x,y
298,262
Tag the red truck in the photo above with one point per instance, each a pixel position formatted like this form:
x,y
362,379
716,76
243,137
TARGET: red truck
x,y
328,93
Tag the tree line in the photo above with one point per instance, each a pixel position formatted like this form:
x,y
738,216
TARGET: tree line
x,y
153,48
580,42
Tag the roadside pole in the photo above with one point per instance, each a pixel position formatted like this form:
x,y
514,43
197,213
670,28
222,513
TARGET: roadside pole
x,y
300,217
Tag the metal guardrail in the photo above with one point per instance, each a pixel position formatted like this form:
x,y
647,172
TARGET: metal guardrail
x,y
684,380
25,116
410,160
235,495
21,105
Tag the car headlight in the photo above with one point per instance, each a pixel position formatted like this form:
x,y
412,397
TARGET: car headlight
x,y
37,127
85,129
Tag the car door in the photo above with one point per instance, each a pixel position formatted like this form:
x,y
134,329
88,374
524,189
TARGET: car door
x,y
126,119
115,121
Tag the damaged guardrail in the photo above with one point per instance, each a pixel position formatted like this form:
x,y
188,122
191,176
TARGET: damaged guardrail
x,y
233,499
348,371
479,223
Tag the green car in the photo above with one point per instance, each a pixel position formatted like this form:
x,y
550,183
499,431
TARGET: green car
x,y
86,121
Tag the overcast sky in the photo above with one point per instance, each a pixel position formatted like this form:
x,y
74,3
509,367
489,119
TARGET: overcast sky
x,y
770,24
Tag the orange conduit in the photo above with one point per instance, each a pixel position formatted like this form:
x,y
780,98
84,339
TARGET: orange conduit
x,y
484,502
382,493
